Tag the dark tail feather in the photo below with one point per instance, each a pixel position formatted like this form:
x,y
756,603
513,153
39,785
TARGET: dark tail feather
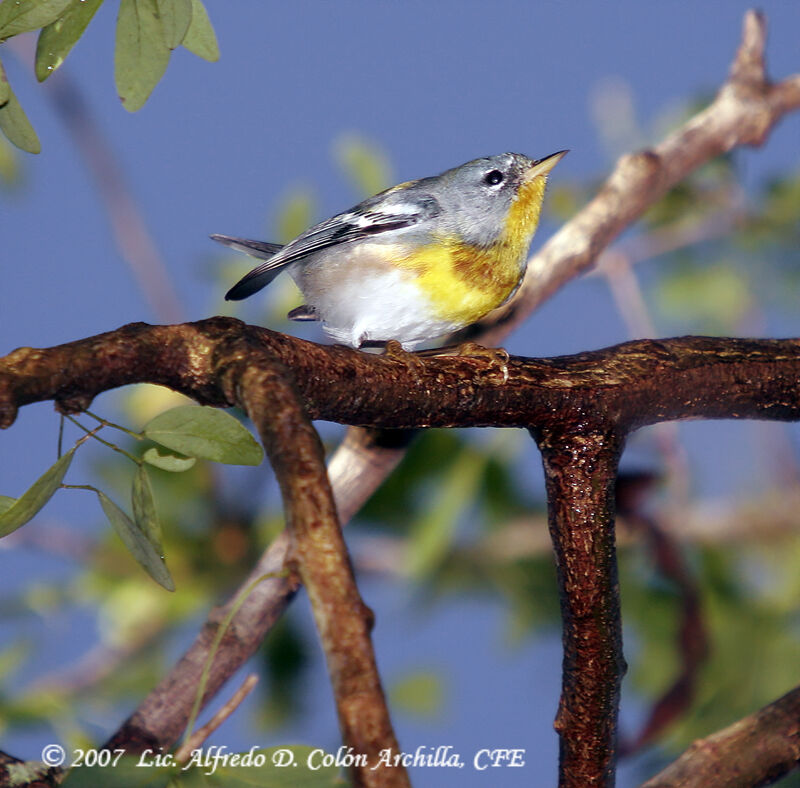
x,y
253,282
260,249
260,276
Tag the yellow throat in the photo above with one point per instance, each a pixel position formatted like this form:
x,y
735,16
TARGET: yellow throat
x,y
465,282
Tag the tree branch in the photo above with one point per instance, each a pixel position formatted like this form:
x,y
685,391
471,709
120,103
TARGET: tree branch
x,y
756,750
629,385
580,474
184,752
318,554
161,717
250,375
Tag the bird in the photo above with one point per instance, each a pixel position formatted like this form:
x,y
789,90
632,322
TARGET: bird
x,y
415,262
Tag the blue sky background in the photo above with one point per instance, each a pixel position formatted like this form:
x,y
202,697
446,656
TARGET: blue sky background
x,y
218,147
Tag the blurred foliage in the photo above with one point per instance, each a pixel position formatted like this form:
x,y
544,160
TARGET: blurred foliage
x,y
419,693
147,33
749,595
364,164
715,257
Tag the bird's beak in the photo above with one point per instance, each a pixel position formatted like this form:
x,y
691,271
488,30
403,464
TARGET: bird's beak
x,y
543,166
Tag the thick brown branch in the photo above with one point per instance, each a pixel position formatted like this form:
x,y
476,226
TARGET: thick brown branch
x,y
580,473
319,556
756,750
629,385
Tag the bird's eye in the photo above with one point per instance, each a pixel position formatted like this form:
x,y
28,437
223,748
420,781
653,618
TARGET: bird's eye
x,y
493,177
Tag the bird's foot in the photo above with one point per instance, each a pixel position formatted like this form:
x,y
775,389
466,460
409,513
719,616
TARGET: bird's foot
x,y
411,361
495,357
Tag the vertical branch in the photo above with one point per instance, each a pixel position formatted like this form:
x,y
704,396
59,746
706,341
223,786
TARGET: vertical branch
x,y
318,554
580,473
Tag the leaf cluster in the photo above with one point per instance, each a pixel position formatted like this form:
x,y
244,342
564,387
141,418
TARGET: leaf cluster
x,y
147,33
188,432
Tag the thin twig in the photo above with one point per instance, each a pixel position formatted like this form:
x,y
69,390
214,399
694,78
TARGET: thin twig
x,y
162,716
183,753
93,434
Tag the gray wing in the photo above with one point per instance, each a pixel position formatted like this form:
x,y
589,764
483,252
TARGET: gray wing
x,y
363,221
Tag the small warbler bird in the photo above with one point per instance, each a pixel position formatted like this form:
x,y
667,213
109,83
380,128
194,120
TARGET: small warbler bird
x,y
416,261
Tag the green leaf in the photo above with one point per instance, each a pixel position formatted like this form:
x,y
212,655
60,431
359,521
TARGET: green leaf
x,y
176,16
200,38
141,54
57,39
6,503
26,507
9,166
14,122
22,16
138,542
144,509
5,88
208,433
175,463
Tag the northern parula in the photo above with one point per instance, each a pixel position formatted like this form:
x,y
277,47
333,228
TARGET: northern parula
x,y
416,261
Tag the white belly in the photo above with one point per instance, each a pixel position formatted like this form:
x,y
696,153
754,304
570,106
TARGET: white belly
x,y
360,298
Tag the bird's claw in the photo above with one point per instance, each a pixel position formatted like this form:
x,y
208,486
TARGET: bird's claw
x,y
495,358
411,361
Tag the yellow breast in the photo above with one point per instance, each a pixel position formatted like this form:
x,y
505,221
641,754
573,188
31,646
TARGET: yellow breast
x,y
465,282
